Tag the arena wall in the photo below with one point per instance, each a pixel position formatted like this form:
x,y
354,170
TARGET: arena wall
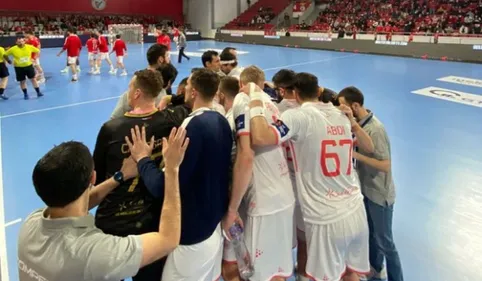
x,y
458,49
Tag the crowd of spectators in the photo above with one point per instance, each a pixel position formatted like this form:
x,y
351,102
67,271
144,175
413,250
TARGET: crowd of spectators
x,y
57,24
264,16
425,16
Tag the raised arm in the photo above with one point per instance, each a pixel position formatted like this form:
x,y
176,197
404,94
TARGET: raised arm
x,y
158,245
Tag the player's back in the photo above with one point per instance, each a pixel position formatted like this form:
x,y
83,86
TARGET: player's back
x,y
130,208
92,45
272,190
328,186
204,174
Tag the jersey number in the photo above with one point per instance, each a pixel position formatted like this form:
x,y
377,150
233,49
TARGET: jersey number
x,y
334,157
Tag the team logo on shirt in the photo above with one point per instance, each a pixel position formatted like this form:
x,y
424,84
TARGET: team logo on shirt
x,y
99,5
240,124
281,127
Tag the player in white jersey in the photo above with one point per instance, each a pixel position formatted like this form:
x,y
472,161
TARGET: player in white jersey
x,y
228,89
283,82
270,199
320,137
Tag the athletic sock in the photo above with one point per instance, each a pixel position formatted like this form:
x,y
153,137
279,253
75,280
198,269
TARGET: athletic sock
x,y
37,90
24,91
1,91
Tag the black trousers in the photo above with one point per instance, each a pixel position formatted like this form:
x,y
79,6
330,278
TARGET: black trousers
x,y
181,54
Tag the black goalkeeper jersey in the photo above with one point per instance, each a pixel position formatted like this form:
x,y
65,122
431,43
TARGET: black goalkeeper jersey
x,y
130,208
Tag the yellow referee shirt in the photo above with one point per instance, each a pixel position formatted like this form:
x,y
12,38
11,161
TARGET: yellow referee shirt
x,y
2,52
21,56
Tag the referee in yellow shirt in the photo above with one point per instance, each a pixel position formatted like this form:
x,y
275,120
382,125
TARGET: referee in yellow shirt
x,y
3,72
24,69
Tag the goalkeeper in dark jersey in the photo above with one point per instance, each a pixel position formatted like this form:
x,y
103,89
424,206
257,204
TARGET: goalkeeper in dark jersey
x,y
130,208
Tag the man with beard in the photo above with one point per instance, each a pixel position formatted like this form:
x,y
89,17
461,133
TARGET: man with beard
x,y
157,57
131,209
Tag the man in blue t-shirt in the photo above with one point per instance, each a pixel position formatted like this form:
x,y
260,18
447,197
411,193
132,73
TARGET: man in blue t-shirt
x,y
204,183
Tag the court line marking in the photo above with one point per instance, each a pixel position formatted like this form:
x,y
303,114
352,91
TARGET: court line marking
x,y
3,235
111,98
13,222
310,62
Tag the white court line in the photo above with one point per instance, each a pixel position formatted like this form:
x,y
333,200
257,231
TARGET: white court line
x,y
62,106
13,222
3,237
111,98
310,62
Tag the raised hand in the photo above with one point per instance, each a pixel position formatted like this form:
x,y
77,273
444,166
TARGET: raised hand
x,y
139,147
173,150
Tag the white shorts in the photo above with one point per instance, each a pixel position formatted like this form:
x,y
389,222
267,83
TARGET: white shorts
x,y
103,56
120,59
198,262
36,61
92,56
269,240
72,60
333,248
298,225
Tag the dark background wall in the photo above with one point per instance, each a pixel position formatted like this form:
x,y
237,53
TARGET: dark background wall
x,y
169,8
454,52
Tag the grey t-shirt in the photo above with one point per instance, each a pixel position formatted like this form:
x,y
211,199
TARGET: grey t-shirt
x,y
74,249
376,185
122,105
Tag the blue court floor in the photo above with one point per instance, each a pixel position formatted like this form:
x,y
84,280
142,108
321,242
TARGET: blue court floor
x,y
436,142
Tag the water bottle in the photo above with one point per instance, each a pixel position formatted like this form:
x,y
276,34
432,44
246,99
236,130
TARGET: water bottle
x,y
245,266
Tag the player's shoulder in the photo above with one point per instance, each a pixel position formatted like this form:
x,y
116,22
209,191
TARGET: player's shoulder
x,y
241,99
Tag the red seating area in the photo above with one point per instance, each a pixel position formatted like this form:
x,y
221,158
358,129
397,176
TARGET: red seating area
x,y
445,16
258,15
12,23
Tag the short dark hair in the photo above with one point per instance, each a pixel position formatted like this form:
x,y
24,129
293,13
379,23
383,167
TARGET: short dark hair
x,y
155,52
183,81
63,174
208,56
206,82
351,95
71,30
150,82
229,86
29,32
285,78
229,57
118,36
92,35
306,85
228,50
327,96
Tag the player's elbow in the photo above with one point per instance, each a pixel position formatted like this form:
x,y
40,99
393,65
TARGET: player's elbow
x,y
263,139
386,166
245,158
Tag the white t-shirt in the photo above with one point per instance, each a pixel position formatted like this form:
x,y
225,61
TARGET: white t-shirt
x,y
236,72
271,190
322,146
284,105
219,108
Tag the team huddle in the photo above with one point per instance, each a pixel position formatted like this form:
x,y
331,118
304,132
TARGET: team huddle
x,y
280,165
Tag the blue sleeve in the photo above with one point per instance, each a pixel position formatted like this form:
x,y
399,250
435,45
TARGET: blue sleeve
x,y
152,177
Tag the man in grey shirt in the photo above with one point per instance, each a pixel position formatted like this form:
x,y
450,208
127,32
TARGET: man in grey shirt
x,y
374,170
60,242
157,56
182,44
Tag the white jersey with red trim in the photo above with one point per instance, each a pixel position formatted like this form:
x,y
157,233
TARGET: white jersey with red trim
x,y
271,189
322,146
284,105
